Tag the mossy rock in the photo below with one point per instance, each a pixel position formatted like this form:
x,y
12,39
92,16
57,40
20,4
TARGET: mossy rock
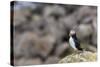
x,y
85,56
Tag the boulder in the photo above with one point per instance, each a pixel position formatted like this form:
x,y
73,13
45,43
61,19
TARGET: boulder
x,y
80,57
85,12
69,21
21,16
94,36
61,48
31,45
52,60
25,62
56,10
84,32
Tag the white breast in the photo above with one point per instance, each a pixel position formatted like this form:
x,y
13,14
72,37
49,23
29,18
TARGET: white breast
x,y
72,43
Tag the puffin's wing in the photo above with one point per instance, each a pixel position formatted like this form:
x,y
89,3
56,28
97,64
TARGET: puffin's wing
x,y
77,44
77,41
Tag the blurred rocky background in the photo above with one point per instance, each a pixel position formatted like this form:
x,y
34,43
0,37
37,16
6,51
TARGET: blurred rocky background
x,y
41,31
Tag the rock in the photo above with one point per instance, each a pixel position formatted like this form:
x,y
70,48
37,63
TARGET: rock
x,y
94,36
45,45
94,24
70,9
30,45
94,39
80,57
52,60
84,32
53,15
24,44
53,10
20,16
91,48
84,12
40,27
25,62
70,21
61,48
87,20
23,4
36,17
88,47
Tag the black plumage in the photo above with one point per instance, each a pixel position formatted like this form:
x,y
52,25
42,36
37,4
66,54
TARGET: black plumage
x,y
77,43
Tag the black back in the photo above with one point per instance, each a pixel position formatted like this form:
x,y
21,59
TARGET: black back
x,y
77,43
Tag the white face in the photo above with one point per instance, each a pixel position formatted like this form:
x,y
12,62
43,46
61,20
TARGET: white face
x,y
72,32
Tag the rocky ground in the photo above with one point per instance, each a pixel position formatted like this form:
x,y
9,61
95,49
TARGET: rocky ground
x,y
41,31
85,56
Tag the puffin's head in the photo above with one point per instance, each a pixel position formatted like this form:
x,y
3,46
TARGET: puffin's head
x,y
72,32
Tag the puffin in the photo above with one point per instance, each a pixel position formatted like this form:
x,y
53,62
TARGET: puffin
x,y
74,42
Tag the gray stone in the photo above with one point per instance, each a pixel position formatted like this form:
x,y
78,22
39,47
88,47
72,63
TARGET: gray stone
x,y
61,48
52,60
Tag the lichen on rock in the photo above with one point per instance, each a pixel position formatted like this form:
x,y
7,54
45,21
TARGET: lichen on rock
x,y
84,56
